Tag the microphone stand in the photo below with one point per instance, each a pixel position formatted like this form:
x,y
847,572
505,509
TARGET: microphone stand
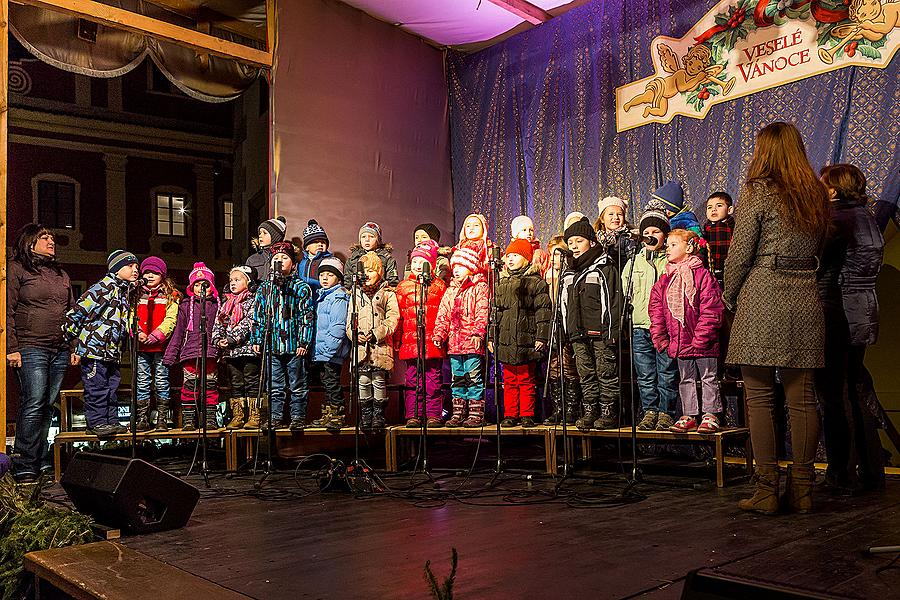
x,y
626,329
201,397
494,325
265,380
423,281
556,335
134,366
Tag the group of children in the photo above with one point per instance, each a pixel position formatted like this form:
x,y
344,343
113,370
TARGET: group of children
x,y
298,311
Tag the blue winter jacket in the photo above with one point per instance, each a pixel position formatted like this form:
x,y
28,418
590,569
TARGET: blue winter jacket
x,y
686,219
308,269
332,344
99,321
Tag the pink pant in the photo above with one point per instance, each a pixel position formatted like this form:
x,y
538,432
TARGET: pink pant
x,y
191,385
434,395
519,394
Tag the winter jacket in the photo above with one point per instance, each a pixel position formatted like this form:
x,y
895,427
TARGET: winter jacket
x,y
261,262
441,267
185,343
378,316
99,321
331,344
463,314
686,219
385,253
236,334
293,315
406,340
851,261
621,250
648,268
523,304
157,314
308,268
770,280
36,305
591,297
699,336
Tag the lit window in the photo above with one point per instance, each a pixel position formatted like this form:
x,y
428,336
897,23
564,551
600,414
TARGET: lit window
x,y
228,213
170,213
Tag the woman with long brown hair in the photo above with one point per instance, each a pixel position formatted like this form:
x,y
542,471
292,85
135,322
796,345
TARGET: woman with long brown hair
x,y
770,281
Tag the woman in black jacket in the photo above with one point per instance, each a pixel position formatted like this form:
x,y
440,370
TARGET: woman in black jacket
x,y
851,261
38,295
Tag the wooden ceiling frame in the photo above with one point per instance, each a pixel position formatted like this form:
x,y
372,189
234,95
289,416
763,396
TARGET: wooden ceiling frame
x,y
525,10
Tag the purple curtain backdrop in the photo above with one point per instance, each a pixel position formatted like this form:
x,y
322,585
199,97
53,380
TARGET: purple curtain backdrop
x,y
533,122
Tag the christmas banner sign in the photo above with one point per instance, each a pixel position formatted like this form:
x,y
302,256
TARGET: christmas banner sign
x,y
745,46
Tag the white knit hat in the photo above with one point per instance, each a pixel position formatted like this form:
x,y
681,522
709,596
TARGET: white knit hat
x,y
571,218
519,223
611,201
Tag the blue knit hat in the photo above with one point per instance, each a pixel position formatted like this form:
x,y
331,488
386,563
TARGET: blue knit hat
x,y
669,197
118,259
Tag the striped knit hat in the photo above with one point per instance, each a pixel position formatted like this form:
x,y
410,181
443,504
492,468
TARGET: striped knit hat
x,y
118,259
314,233
467,258
276,228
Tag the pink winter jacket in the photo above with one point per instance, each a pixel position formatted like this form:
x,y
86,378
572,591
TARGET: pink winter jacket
x,y
699,337
463,313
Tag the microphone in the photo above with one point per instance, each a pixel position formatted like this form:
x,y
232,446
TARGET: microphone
x,y
648,240
426,271
141,282
564,251
276,268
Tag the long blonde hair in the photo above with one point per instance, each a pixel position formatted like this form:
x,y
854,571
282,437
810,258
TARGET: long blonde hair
x,y
780,158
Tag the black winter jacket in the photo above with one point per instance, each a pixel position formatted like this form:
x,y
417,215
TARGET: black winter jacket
x,y
592,297
851,260
523,305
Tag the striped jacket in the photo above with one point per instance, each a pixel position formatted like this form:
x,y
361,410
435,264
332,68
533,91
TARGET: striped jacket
x,y
293,315
99,321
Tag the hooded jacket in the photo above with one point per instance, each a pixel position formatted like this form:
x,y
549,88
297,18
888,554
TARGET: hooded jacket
x,y
236,334
378,316
698,337
185,343
406,338
293,314
523,305
156,318
591,297
463,314
99,321
331,343
649,266
385,253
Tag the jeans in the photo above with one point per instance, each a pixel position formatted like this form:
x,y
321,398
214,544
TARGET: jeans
x,y
656,374
705,368
151,372
243,376
40,378
434,395
101,379
289,369
468,376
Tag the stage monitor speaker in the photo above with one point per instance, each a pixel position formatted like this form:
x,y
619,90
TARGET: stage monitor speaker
x,y
128,494
707,585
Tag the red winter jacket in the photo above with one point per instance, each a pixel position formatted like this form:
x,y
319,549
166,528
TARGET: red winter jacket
x,y
408,298
699,337
464,313
157,315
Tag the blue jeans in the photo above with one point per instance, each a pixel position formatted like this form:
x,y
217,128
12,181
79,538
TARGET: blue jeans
x,y
294,368
151,372
40,378
657,374
468,376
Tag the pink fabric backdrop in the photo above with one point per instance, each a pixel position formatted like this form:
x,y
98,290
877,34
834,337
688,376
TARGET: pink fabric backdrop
x,y
360,126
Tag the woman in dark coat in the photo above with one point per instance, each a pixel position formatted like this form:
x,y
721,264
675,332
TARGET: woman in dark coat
x,y
38,294
770,281
850,264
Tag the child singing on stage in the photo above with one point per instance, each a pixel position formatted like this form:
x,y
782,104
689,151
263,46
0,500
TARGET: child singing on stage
x,y
612,230
269,232
717,232
370,240
522,228
185,347
407,339
474,236
685,316
157,314
332,347
429,232
569,372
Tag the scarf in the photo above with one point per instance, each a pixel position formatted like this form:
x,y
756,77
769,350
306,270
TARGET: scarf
x,y
681,286
587,259
233,307
371,290
610,238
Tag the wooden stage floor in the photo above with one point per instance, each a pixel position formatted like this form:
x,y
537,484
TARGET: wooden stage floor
x,y
515,542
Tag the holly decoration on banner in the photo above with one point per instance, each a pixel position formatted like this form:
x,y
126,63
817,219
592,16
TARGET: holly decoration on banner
x,y
698,97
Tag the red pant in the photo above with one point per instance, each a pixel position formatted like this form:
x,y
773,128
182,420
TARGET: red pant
x,y
519,394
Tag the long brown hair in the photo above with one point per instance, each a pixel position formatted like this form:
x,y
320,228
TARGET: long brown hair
x,y
847,181
780,158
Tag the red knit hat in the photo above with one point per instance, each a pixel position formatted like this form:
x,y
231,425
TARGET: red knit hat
x,y
465,257
520,247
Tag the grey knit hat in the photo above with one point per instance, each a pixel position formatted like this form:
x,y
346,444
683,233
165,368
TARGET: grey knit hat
x,y
332,264
276,228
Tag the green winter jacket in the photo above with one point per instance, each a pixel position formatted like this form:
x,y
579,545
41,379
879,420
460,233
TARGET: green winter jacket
x,y
523,303
646,273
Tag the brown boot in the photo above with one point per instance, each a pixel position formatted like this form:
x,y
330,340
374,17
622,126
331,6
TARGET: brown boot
x,y
798,496
252,414
237,413
765,498
459,411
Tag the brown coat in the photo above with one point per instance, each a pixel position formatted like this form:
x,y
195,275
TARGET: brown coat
x,y
779,320
378,316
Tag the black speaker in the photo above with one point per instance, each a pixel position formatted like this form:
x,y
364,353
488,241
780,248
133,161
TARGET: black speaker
x,y
127,493
707,585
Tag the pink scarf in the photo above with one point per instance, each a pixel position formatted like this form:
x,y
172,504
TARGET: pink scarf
x,y
681,286
233,308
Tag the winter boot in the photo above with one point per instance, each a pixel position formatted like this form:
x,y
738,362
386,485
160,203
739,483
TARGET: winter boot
x,y
365,413
572,398
143,409
798,492
590,414
378,421
237,413
765,498
476,414
324,419
336,422
609,417
555,417
252,414
212,419
188,417
162,416
459,413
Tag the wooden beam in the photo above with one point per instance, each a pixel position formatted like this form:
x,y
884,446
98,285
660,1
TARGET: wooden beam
x,y
526,10
130,21
271,26
4,155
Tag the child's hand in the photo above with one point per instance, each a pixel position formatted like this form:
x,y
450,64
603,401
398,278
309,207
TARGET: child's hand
x,y
437,342
74,360
539,346
477,342
363,338
256,348
301,351
142,337
491,347
223,343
